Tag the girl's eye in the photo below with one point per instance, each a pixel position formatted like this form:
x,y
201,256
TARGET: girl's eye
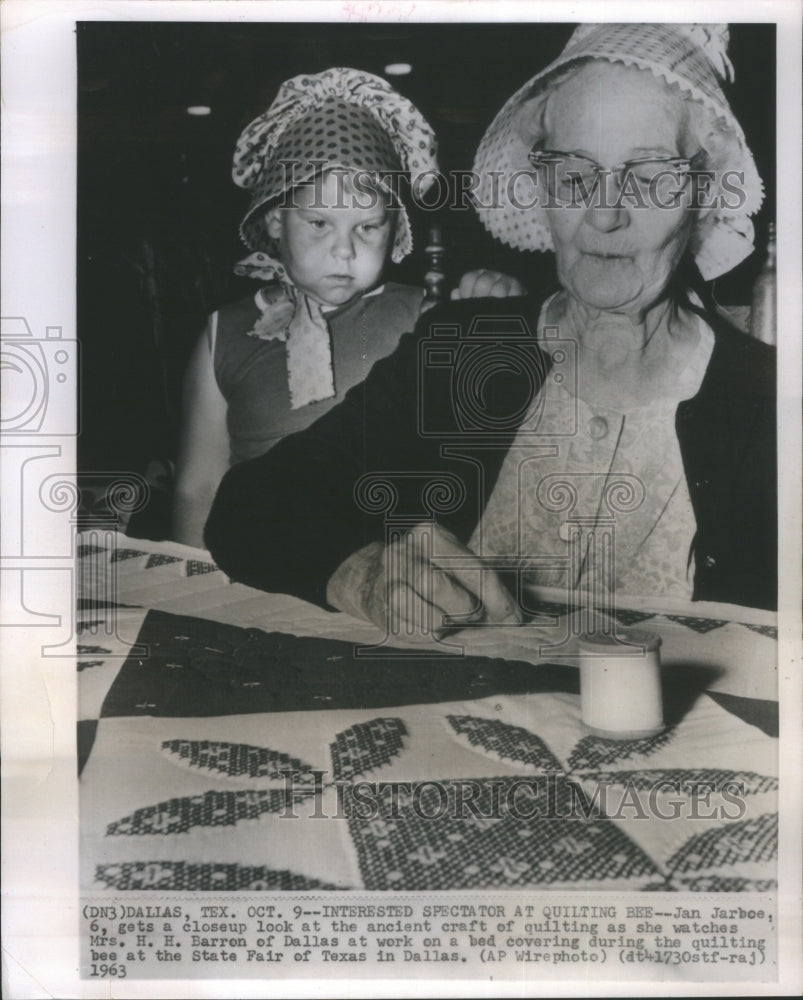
x,y
369,228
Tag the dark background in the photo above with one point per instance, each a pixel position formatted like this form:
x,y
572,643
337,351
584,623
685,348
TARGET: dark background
x,y
158,212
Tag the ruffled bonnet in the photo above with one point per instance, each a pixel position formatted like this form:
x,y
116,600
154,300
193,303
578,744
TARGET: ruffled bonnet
x,y
341,118
693,57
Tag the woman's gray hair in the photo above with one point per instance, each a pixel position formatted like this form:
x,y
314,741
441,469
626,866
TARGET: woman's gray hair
x,y
703,130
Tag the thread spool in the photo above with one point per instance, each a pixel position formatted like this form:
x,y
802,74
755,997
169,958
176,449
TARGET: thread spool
x,y
620,685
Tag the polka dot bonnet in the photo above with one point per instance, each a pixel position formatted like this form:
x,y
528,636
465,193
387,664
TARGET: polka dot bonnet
x,y
692,60
341,118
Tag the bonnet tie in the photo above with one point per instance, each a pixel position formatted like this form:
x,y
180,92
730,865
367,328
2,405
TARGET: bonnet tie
x,y
294,318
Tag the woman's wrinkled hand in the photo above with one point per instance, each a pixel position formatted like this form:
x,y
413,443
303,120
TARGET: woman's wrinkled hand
x,y
421,585
483,284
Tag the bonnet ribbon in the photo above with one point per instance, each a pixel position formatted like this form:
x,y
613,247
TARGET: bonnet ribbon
x,y
291,316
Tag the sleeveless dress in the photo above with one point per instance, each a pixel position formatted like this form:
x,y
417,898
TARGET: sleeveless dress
x,y
252,373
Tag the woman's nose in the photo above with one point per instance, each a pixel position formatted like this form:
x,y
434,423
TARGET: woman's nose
x,y
606,219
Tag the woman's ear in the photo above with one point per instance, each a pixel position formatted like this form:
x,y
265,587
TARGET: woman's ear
x,y
273,223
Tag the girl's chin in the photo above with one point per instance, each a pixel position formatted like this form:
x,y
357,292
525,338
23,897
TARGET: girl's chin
x,y
335,297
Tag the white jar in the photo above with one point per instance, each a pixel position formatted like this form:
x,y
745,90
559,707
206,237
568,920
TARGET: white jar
x,y
620,684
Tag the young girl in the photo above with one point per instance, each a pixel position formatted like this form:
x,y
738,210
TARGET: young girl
x,y
322,222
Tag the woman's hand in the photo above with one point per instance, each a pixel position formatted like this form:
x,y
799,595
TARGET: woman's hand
x,y
482,283
420,585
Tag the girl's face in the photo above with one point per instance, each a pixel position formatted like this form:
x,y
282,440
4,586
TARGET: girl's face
x,y
617,258
334,240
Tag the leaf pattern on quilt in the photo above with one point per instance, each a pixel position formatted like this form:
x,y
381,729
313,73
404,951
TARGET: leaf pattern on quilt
x,y
770,631
716,779
237,760
366,746
487,833
719,883
196,567
629,617
207,876
749,840
701,625
88,550
512,744
119,555
593,752
208,809
161,559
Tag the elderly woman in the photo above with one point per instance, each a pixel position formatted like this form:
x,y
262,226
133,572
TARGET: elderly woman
x,y
518,434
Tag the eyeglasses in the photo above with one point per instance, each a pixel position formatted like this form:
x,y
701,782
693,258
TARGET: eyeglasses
x,y
572,179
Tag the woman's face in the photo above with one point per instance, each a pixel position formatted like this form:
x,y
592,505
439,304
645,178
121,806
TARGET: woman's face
x,y
616,258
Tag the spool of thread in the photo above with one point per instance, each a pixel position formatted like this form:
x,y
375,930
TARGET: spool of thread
x,y
620,685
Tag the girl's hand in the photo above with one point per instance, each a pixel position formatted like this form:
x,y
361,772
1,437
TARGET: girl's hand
x,y
483,283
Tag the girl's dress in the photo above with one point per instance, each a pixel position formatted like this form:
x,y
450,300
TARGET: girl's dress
x,y
252,373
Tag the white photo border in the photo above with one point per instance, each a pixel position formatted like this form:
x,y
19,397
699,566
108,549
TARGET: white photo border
x,y
40,808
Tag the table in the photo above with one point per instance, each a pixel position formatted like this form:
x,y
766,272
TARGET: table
x,y
235,740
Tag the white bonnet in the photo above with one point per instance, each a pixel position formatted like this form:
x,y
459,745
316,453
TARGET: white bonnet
x,y
693,57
